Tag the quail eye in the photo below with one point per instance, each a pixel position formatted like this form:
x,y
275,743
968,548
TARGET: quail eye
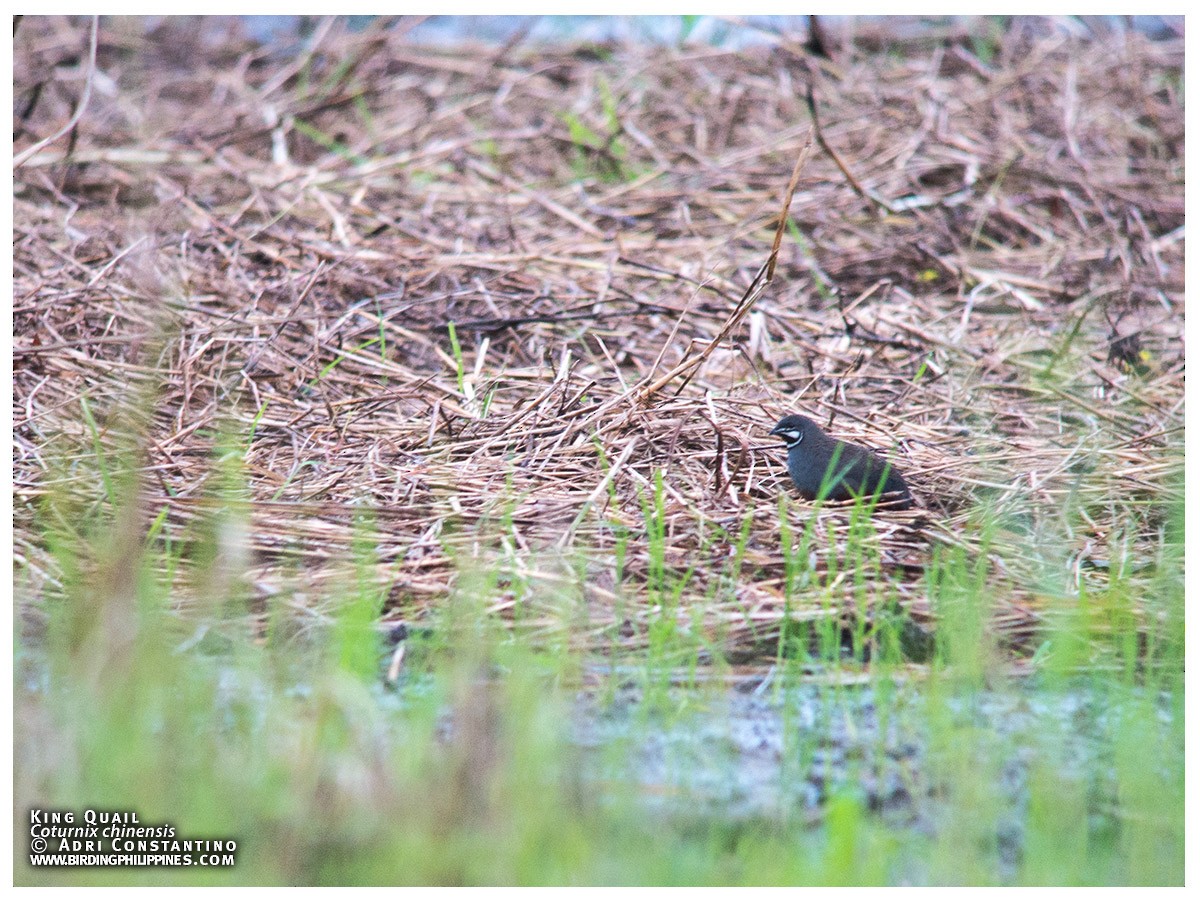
x,y
792,435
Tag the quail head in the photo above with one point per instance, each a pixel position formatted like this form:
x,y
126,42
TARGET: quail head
x,y
835,470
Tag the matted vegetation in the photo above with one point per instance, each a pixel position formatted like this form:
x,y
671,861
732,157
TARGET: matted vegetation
x,y
432,282
367,294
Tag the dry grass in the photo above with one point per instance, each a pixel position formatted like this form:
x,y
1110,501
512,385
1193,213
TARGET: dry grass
x,y
276,244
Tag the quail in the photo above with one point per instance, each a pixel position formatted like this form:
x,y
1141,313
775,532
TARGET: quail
x,y
815,459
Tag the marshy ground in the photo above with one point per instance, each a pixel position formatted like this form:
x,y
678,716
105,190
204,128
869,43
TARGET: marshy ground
x,y
312,342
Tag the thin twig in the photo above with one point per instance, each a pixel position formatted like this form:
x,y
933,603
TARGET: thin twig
x,y
89,75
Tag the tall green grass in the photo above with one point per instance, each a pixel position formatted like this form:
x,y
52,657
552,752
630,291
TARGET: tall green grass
x,y
149,677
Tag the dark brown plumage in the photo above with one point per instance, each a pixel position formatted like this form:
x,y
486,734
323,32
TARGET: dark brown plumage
x,y
846,470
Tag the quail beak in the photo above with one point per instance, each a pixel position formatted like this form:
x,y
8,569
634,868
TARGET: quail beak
x,y
791,436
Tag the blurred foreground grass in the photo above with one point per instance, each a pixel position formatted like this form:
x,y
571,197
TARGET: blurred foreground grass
x,y
469,769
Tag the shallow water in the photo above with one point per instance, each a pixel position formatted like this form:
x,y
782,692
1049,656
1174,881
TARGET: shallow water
x,y
782,755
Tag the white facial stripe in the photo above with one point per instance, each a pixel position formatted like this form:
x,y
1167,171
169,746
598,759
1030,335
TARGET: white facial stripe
x,y
794,437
